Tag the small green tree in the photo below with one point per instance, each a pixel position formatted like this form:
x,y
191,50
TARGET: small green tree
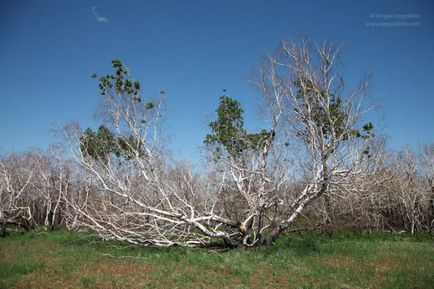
x,y
228,131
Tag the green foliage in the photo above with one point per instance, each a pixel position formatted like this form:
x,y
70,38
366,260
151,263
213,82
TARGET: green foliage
x,y
100,144
121,82
228,128
103,143
228,131
149,105
257,140
127,147
333,120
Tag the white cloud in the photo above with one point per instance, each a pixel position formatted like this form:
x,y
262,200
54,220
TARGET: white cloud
x,y
98,17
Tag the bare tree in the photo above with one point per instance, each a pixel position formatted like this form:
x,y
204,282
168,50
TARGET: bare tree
x,y
427,164
134,192
50,184
32,187
407,187
14,181
320,121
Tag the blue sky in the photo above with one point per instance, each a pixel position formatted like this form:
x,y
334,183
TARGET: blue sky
x,y
193,50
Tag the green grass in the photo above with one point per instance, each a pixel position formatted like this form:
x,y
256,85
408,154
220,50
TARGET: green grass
x,y
62,259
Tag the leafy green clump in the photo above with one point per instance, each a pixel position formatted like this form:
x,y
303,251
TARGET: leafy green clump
x,y
102,143
228,131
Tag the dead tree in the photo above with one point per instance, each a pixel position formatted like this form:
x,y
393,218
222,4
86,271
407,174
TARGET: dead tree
x,y
32,187
427,163
135,193
15,178
319,121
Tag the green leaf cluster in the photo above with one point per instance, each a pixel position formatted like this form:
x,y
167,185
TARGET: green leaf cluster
x,y
102,143
228,131
332,121
120,81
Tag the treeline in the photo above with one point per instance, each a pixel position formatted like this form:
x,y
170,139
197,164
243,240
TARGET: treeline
x,y
35,188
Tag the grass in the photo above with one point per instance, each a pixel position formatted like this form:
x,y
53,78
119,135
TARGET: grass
x,y
62,259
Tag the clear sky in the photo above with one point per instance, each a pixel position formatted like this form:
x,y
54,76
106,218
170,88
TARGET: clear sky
x,y
193,50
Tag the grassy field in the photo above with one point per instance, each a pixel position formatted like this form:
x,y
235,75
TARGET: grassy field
x,y
62,259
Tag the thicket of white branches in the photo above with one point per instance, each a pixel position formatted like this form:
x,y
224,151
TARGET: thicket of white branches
x,y
317,159
32,189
